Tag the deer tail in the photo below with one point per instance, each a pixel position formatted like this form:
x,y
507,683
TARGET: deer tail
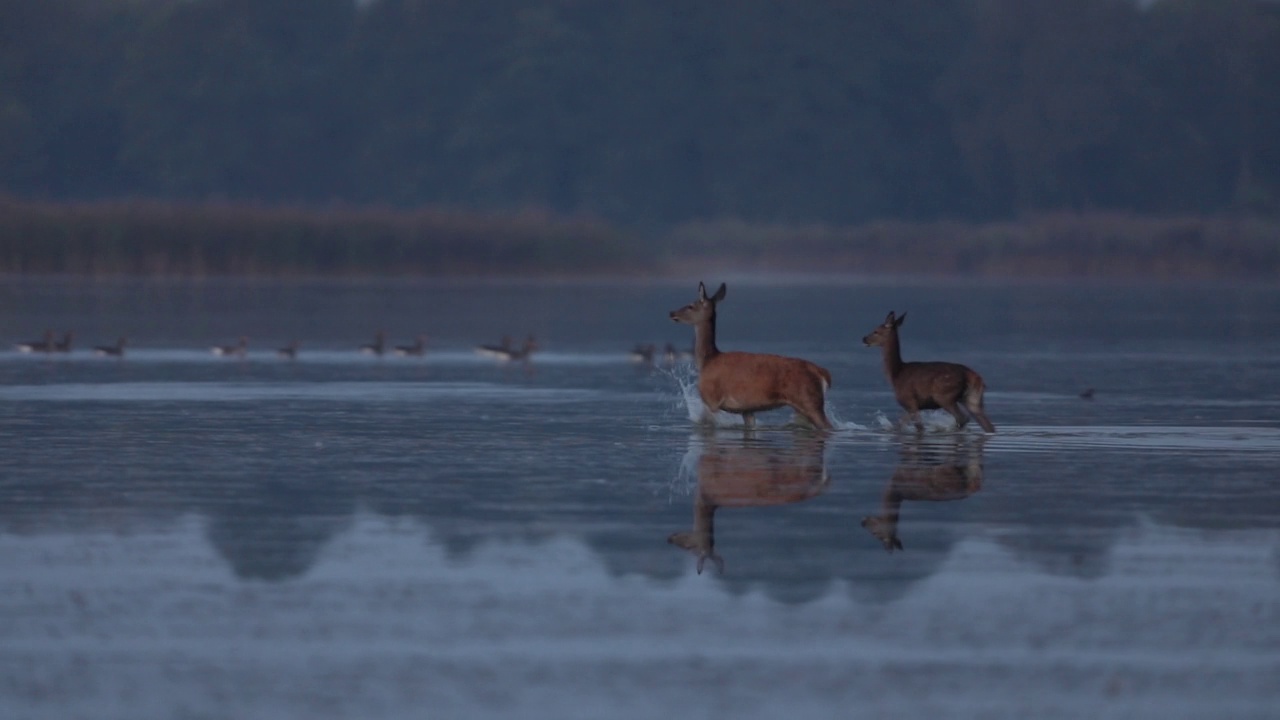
x,y
824,375
974,387
973,400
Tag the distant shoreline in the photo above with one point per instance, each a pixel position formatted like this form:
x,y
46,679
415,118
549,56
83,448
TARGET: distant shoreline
x,y
150,238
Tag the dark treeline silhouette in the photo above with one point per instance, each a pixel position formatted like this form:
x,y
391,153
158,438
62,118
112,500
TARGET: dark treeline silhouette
x,y
650,114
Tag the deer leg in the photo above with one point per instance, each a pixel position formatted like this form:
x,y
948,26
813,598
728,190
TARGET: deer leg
x,y
749,419
974,406
814,413
958,414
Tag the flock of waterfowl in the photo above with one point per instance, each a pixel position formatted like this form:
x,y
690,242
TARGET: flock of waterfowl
x,y
505,350
742,383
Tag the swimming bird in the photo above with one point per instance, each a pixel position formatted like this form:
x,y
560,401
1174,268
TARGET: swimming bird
x,y
670,355
378,346
643,353
38,346
501,351
1087,394
418,347
290,351
237,350
116,350
524,352
64,345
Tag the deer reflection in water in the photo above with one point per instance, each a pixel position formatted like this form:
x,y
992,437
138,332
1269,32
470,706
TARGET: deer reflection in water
x,y
748,472
932,470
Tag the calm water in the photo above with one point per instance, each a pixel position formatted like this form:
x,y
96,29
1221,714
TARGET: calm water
x,y
188,536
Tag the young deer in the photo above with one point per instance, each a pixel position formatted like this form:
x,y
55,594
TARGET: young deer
x,y
953,476
929,385
748,383
749,475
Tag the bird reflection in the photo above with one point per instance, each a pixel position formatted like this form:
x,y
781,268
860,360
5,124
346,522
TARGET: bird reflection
x,y
748,472
929,469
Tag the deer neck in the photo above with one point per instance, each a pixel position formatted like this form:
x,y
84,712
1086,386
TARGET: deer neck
x,y
892,356
704,341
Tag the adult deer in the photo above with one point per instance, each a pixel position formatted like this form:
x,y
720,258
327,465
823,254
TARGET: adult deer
x,y
952,476
749,474
747,383
928,385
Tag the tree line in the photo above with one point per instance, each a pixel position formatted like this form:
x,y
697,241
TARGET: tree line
x,y
653,114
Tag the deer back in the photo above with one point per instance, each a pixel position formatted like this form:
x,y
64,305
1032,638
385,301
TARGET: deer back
x,y
759,379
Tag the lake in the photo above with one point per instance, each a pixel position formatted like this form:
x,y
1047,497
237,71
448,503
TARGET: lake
x,y
343,535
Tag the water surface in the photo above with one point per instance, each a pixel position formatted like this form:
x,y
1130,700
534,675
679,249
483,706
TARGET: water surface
x,y
185,535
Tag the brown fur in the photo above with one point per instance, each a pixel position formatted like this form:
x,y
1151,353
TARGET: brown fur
x,y
952,477
747,383
929,385
749,475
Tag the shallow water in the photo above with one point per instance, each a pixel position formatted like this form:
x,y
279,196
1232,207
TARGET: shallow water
x,y
184,535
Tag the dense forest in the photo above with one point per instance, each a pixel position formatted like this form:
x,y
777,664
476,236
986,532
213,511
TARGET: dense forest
x,y
650,117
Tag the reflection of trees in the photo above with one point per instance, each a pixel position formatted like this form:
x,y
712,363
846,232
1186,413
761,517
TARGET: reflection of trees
x,y
274,529
272,507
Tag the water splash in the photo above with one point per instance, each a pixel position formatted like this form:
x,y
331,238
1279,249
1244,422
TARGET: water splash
x,y
833,414
935,421
685,378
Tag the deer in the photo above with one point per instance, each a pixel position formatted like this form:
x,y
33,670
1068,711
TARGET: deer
x,y
746,383
928,385
952,477
749,475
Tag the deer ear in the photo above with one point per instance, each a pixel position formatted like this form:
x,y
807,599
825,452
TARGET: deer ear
x,y
901,317
719,294
888,319
702,291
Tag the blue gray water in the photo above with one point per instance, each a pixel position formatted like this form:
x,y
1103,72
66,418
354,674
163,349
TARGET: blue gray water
x,y
189,536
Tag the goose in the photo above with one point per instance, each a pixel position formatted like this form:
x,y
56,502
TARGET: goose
x,y
670,355
418,347
501,351
237,350
290,351
377,347
116,350
42,346
521,353
64,345
643,353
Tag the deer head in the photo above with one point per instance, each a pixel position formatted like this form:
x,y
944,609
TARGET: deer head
x,y
881,334
701,309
